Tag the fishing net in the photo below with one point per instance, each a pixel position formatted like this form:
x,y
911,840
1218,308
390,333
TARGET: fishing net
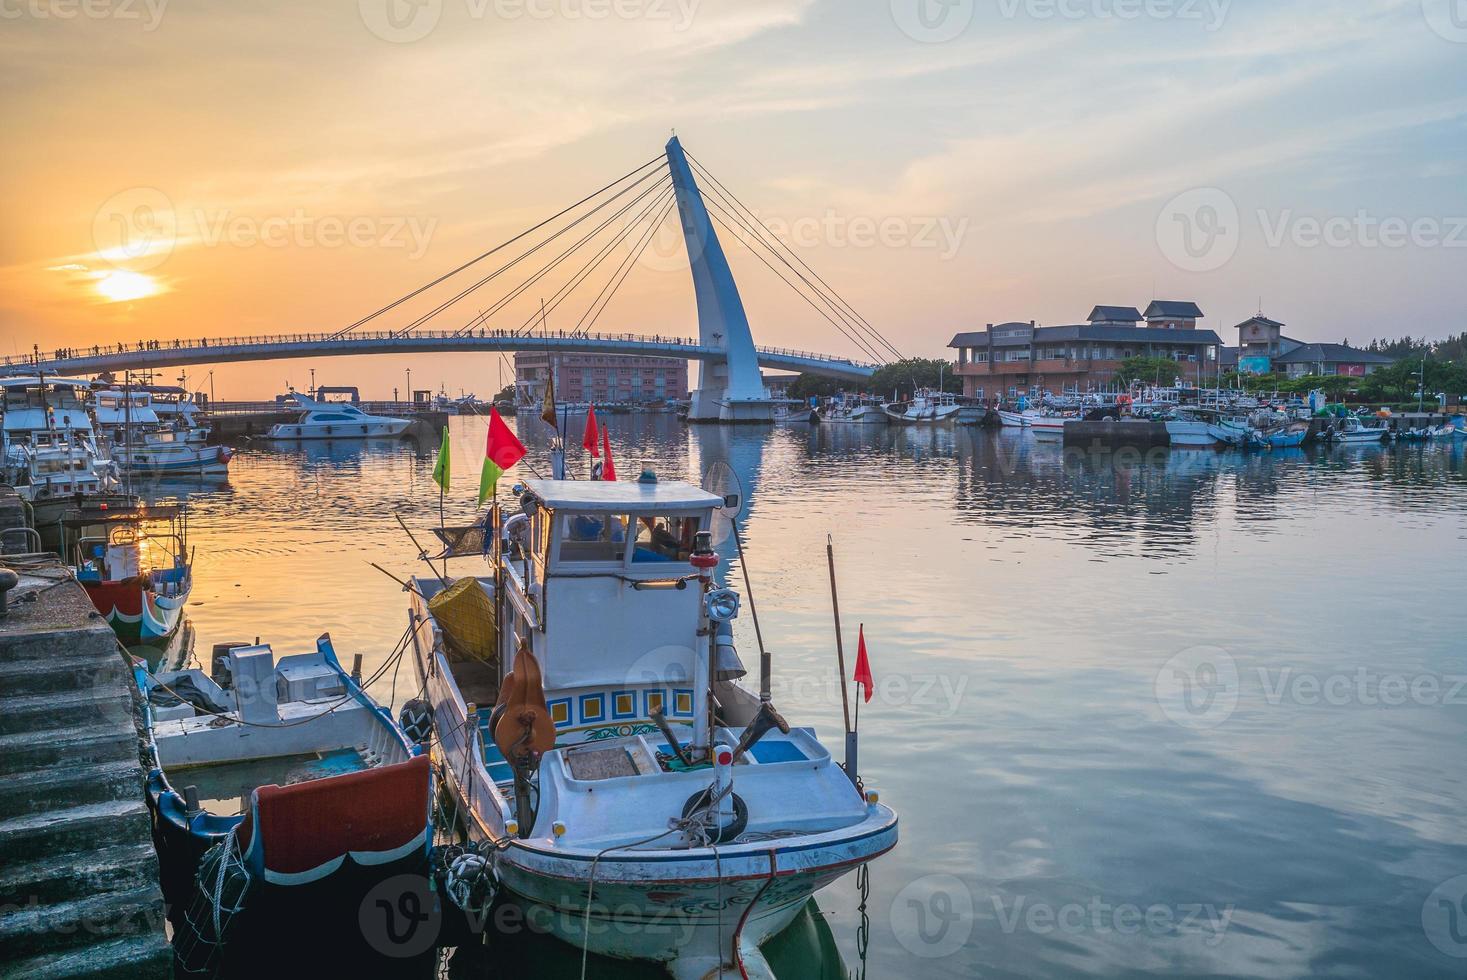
x,y
465,614
222,884
460,542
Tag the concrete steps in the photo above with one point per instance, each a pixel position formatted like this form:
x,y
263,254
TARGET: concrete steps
x,y
79,894
119,959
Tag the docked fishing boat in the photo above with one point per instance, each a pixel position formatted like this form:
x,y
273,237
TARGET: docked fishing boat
x,y
1187,431
137,572
658,807
927,407
797,414
50,452
280,793
177,410
144,444
1011,420
1350,431
853,410
334,420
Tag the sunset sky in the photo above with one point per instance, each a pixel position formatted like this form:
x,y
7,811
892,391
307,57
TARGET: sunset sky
x,y
300,165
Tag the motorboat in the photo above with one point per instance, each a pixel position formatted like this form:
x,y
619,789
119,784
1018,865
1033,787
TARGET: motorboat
x,y
142,443
177,410
333,420
796,414
601,740
927,407
279,791
136,572
50,452
1350,431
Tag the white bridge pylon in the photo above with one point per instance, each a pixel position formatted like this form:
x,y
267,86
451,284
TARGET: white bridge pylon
x,y
730,390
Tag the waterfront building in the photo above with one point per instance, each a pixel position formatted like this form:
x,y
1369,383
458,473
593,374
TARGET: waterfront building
x,y
1263,349
601,379
1016,358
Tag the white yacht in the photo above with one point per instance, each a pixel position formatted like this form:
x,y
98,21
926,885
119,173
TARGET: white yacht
x,y
177,409
927,407
143,443
598,736
51,453
334,420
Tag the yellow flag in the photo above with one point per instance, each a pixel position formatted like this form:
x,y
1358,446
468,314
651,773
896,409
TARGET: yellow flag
x,y
547,412
441,468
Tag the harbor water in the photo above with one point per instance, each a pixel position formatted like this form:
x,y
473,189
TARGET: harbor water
x,y
1142,714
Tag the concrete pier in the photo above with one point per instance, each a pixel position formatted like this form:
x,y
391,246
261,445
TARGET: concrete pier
x,y
79,892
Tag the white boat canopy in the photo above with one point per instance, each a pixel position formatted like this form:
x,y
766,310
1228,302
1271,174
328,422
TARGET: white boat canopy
x,y
619,497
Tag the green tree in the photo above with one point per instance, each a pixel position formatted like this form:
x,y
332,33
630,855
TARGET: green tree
x,y
813,385
919,372
1148,370
506,394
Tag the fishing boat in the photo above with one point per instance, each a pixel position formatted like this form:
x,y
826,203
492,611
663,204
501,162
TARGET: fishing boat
x,y
50,452
853,410
1350,431
1187,431
1286,436
796,414
177,410
333,420
927,407
659,808
1011,420
282,781
144,444
137,574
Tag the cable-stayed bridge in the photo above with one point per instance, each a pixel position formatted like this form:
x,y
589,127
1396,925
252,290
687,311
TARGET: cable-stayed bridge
x,y
609,229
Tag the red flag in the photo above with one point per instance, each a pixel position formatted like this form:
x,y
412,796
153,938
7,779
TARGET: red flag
x,y
863,666
608,468
502,449
590,440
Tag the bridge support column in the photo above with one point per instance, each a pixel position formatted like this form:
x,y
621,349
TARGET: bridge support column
x,y
731,390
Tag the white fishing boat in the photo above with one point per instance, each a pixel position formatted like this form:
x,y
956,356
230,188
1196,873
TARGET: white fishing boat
x,y
853,410
177,410
797,414
1350,431
334,420
1184,431
142,443
51,454
1012,420
1048,426
927,407
658,807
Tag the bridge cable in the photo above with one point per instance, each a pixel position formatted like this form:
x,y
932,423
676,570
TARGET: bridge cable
x,y
716,213
542,273
561,294
765,236
724,191
624,270
397,302
594,232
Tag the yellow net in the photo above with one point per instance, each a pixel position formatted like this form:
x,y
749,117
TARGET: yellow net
x,y
465,614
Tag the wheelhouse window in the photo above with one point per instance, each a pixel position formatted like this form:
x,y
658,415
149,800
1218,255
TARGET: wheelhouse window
x,y
664,538
592,537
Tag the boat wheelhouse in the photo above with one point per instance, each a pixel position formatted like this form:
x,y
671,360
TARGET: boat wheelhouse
x,y
607,743
927,407
50,451
334,420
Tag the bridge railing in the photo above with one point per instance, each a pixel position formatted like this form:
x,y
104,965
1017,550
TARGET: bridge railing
x,y
673,344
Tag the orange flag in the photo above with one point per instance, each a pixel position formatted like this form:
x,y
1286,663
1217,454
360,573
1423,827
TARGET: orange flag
x,y
591,440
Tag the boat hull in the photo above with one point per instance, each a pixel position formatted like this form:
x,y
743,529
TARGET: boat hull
x,y
185,458
293,432
135,612
1192,435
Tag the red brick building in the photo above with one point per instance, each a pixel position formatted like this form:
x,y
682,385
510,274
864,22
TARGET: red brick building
x,y
601,379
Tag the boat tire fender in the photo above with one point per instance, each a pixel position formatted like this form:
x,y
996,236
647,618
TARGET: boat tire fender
x,y
729,831
416,720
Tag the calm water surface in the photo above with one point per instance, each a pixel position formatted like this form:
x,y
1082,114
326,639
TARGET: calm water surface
x,y
1181,715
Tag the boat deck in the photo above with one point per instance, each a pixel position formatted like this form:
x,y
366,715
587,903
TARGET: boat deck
x,y
225,787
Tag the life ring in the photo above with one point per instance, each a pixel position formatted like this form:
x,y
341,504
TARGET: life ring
x,y
1123,399
729,831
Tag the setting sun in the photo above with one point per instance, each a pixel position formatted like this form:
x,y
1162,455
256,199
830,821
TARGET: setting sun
x,y
121,285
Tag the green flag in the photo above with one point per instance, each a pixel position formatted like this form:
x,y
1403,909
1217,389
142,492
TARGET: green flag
x,y
441,468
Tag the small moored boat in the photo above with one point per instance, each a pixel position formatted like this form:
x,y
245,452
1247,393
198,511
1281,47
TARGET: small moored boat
x,y
334,420
136,574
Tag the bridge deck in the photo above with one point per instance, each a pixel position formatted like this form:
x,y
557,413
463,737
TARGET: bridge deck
x,y
172,353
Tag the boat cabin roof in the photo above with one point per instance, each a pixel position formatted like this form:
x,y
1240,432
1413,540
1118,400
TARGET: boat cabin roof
x,y
31,381
618,497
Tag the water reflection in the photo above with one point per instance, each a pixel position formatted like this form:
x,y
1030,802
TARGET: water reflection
x,y
1021,602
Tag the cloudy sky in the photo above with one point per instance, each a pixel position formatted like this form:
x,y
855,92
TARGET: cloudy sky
x,y
207,168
